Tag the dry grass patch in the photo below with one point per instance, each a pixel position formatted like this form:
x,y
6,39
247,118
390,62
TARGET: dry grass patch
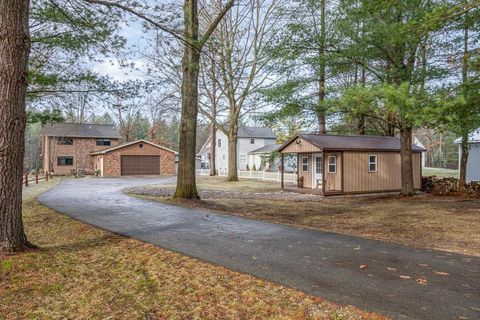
x,y
445,223
85,273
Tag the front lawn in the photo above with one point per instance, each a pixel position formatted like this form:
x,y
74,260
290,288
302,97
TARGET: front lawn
x,y
445,223
85,273
439,172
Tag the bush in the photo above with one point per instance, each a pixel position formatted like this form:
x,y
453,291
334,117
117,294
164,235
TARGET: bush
x,y
449,186
254,168
248,168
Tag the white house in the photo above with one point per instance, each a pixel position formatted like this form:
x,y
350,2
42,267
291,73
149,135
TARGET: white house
x,y
473,164
249,139
424,153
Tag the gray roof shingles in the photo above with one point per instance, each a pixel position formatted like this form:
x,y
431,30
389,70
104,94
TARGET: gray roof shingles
x,y
256,132
339,142
81,130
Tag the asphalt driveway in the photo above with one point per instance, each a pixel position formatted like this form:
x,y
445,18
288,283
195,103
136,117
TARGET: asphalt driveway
x,y
394,280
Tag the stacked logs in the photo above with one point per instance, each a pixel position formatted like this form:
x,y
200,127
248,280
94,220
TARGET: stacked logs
x,y
448,186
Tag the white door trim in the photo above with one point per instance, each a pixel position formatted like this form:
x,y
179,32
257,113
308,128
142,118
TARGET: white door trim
x,y
316,175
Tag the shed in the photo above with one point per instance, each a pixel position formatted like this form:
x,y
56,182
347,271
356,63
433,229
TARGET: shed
x,y
336,164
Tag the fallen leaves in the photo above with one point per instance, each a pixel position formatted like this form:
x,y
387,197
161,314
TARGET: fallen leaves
x,y
422,281
405,277
391,269
363,266
441,273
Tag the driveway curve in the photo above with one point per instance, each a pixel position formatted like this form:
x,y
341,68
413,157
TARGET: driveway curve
x,y
395,280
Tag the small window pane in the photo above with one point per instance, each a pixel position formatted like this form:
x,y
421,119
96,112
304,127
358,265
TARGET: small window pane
x,y
104,142
67,141
304,164
318,165
372,163
252,141
332,164
65,161
219,143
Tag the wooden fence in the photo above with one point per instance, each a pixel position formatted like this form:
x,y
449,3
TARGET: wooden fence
x,y
36,178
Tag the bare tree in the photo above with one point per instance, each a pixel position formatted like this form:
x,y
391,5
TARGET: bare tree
x,y
193,45
240,50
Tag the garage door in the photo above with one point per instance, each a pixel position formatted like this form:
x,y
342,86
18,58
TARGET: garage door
x,y
140,165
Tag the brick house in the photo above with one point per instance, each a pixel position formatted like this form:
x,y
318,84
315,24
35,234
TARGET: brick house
x,y
90,148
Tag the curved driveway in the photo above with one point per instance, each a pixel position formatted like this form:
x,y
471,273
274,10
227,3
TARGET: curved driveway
x,y
320,263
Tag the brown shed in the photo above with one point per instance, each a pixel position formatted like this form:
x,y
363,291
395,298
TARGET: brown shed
x,y
335,164
139,157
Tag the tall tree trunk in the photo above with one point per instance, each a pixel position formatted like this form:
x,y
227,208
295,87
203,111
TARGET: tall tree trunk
x,y
322,128
14,50
186,184
213,153
361,124
463,163
232,153
408,188
464,158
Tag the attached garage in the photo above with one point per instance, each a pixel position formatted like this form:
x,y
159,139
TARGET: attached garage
x,y
138,158
140,165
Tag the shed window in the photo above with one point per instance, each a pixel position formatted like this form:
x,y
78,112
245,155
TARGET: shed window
x,y
304,164
219,143
65,161
332,164
318,165
104,142
252,141
372,163
67,141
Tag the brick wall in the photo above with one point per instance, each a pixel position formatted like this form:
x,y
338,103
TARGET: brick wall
x,y
112,160
80,151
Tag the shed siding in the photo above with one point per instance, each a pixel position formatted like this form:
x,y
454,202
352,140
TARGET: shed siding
x,y
303,146
388,175
307,176
333,181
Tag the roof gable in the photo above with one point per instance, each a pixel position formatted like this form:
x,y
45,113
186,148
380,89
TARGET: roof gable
x,y
81,130
473,137
105,151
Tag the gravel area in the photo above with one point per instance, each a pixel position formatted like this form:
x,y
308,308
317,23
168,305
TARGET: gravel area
x,y
220,194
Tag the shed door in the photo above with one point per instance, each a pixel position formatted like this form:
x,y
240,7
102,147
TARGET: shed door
x,y
140,165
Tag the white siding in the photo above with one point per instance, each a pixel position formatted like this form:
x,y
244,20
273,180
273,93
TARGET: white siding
x,y
473,164
244,146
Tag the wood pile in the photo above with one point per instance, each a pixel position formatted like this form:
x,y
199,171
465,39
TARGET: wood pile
x,y
448,186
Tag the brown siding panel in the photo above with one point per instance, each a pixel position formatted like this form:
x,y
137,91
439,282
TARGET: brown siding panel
x,y
387,177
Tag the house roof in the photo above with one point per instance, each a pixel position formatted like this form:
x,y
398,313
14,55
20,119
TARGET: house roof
x,y
266,149
341,142
81,130
256,132
473,137
104,151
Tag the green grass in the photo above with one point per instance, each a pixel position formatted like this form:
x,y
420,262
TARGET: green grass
x,y
440,172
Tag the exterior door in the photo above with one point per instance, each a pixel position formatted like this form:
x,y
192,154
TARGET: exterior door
x,y
140,165
317,175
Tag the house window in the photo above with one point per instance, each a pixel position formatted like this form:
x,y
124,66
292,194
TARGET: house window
x,y
372,163
243,159
304,164
219,143
332,164
252,141
318,165
65,141
104,142
223,157
65,161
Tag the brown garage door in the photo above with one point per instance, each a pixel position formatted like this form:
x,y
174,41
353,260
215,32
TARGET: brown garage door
x,y
140,165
